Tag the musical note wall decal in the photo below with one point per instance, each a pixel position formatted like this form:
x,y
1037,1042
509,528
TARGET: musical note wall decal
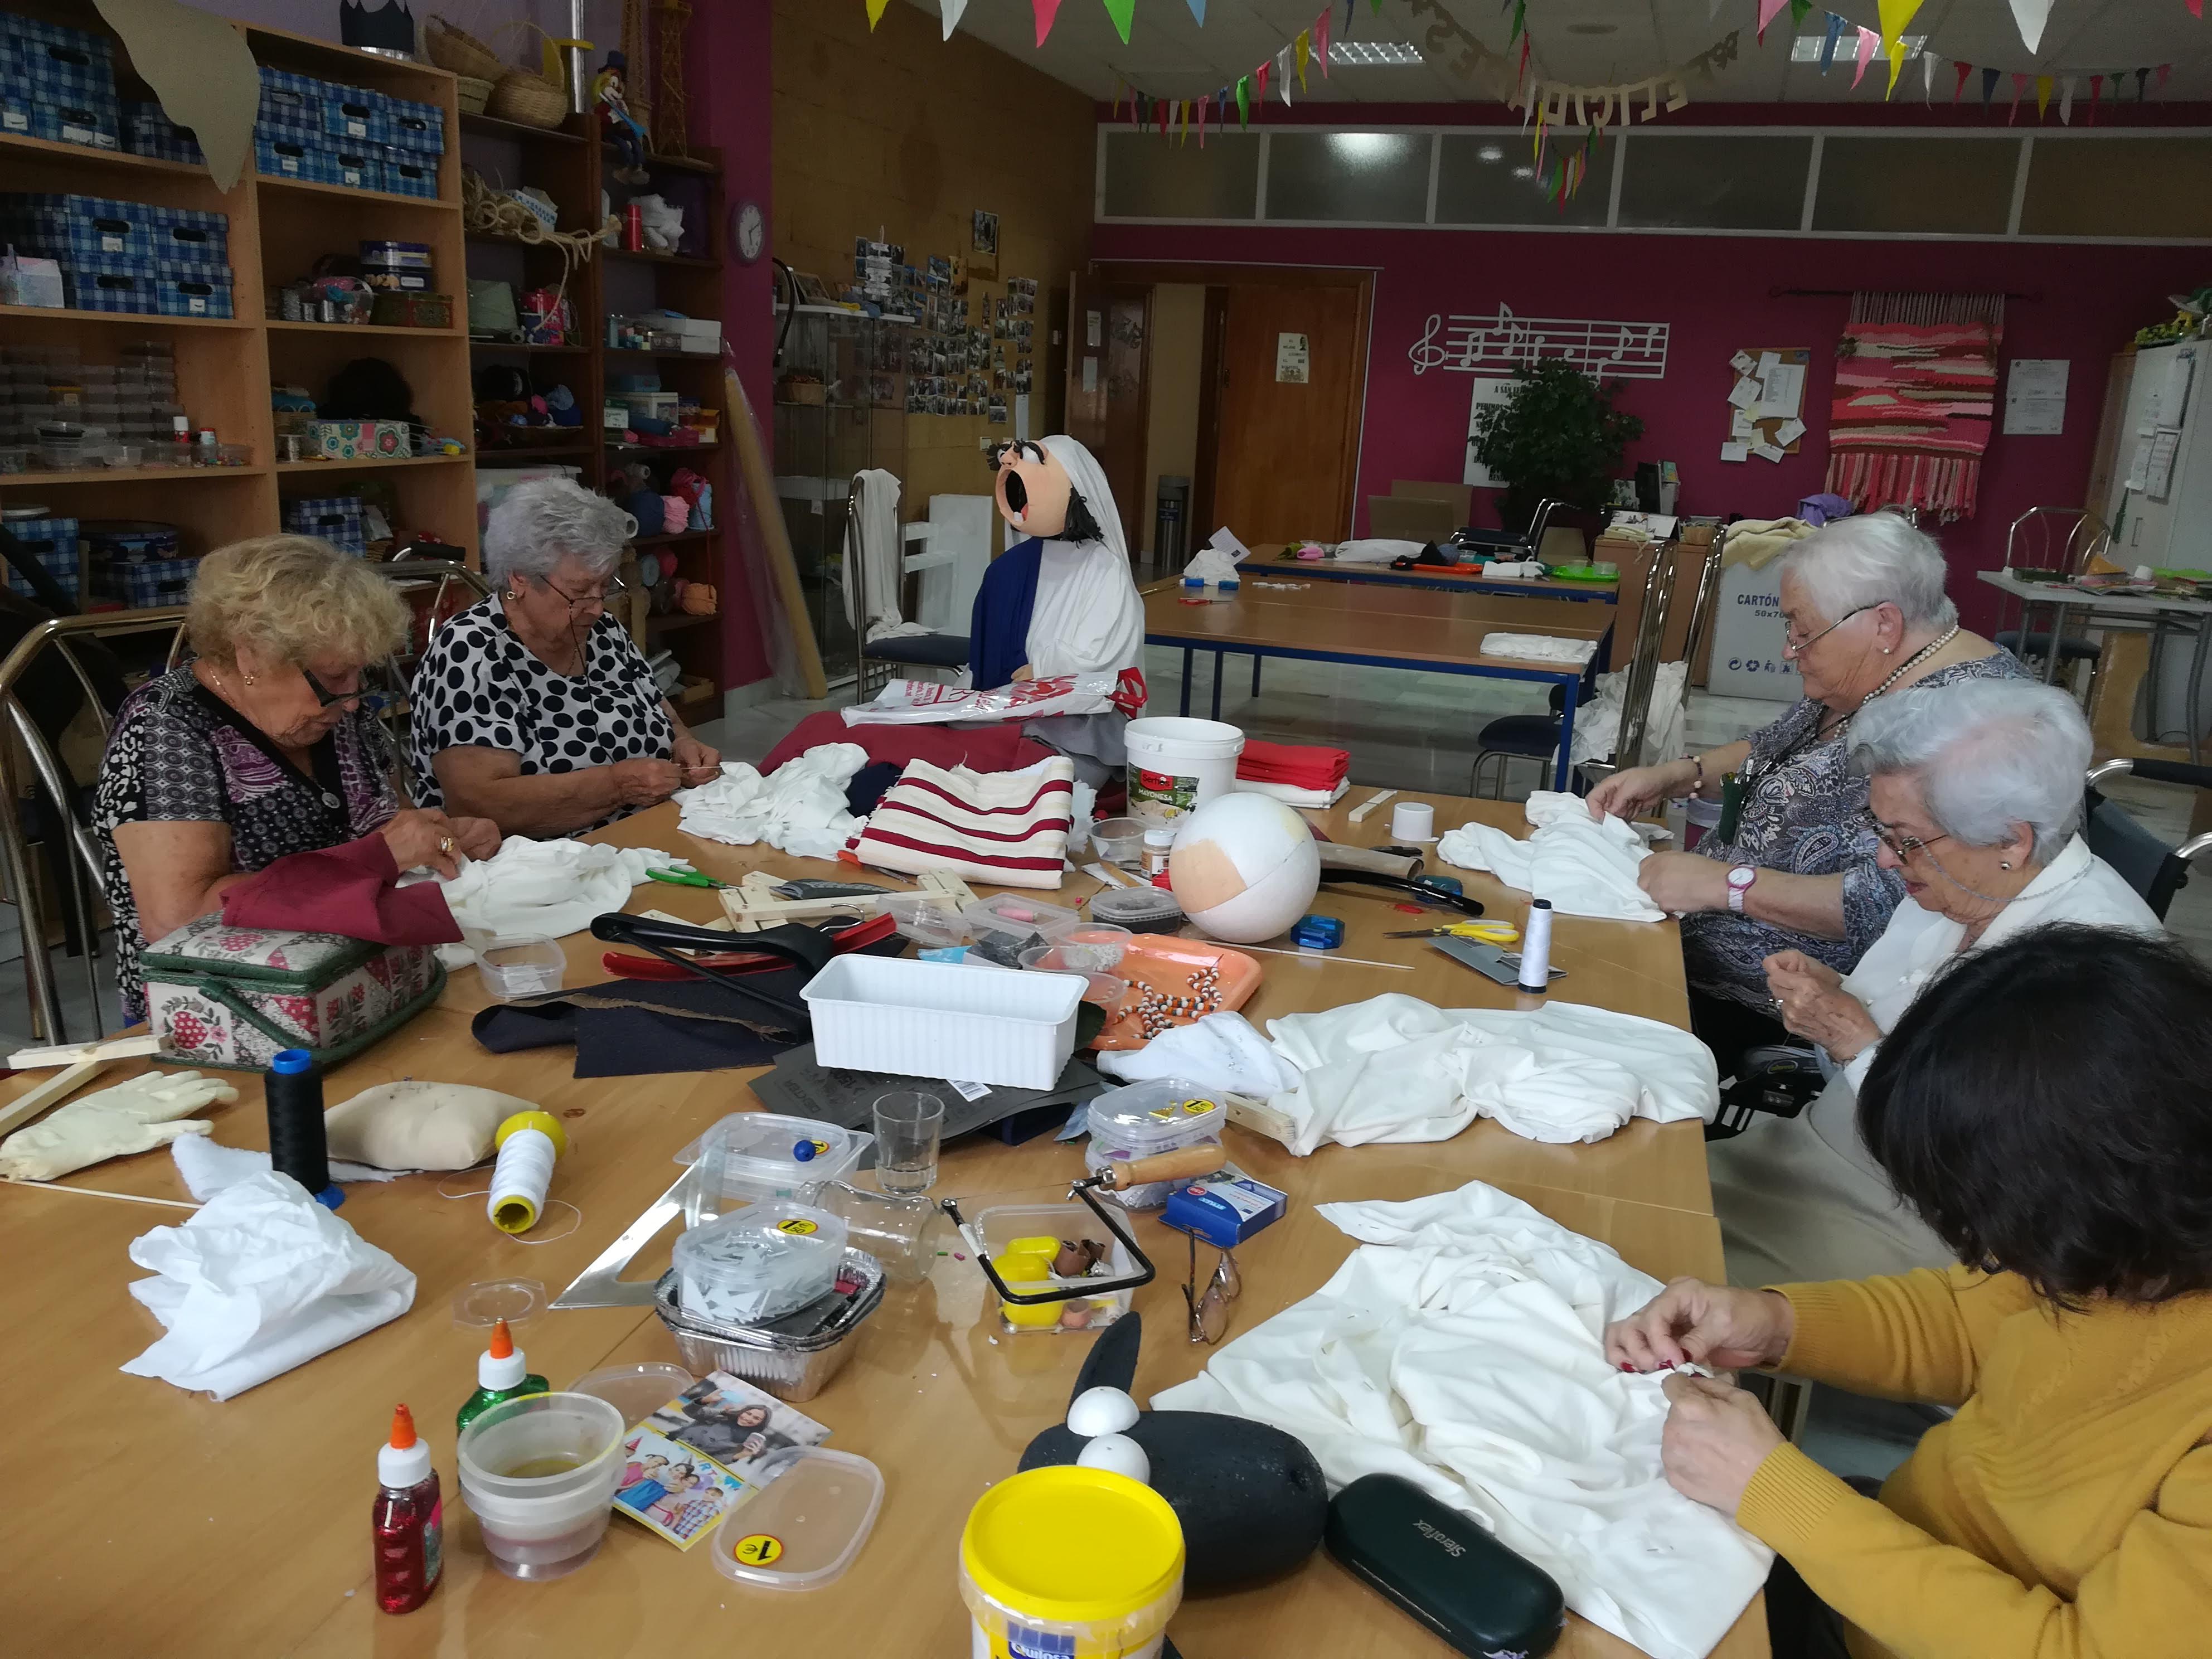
x,y
1496,346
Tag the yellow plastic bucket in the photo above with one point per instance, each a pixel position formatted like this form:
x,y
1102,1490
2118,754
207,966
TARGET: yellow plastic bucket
x,y
1056,1557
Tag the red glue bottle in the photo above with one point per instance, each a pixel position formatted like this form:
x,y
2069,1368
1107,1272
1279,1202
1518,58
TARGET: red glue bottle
x,y
409,1520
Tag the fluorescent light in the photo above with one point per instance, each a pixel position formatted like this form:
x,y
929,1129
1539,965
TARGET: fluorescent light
x,y
1524,173
1371,54
1490,152
1806,48
1366,146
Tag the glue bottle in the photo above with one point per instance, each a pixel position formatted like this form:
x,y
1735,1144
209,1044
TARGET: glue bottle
x,y
408,1522
502,1373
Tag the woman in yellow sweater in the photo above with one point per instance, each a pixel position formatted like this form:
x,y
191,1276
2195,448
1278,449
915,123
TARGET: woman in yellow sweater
x,y
2044,1106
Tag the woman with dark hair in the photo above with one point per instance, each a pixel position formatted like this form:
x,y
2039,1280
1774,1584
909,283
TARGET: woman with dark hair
x,y
2044,1106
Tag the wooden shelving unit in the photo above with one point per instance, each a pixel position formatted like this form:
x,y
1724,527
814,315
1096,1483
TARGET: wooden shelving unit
x,y
225,367
571,166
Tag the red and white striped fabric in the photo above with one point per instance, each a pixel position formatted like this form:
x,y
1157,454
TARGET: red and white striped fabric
x,y
1006,828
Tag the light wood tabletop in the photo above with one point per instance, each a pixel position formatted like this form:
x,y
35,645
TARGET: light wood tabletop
x,y
167,1523
1410,630
1267,560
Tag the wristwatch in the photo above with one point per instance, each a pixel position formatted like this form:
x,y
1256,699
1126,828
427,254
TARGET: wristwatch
x,y
1739,883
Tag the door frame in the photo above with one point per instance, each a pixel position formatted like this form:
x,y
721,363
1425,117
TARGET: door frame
x,y
1215,273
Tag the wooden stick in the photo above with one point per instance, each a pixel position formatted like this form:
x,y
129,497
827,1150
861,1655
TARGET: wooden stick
x,y
1371,804
775,538
68,1054
54,1089
95,1192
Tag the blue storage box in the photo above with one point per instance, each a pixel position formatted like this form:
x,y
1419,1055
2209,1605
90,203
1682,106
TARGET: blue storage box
x,y
287,152
356,167
353,117
420,128
66,65
145,584
291,100
410,173
125,285
338,519
56,546
78,229
98,125
148,131
14,107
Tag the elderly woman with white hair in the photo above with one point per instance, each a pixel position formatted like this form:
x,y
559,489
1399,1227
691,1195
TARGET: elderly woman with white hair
x,y
534,708
1793,865
1975,794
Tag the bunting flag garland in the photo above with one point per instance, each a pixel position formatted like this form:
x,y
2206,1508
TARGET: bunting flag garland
x,y
951,11
1896,17
1867,42
1766,10
1282,75
1260,79
2043,85
1123,12
1198,12
876,12
1243,101
2066,102
2030,16
1959,85
1321,41
1520,22
1989,87
1304,47
1828,45
2019,86
1046,11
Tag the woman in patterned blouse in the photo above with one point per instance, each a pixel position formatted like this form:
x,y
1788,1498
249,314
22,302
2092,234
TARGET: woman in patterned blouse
x,y
259,747
535,708
1798,868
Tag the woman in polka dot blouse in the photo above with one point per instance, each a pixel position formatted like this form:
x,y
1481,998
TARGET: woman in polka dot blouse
x,y
535,708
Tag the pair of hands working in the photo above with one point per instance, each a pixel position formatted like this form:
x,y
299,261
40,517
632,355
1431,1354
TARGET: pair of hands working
x,y
649,783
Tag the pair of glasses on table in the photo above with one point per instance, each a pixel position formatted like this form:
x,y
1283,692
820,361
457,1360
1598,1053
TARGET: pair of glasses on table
x,y
1209,1308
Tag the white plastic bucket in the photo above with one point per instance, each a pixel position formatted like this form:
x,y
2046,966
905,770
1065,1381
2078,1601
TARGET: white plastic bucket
x,y
1177,765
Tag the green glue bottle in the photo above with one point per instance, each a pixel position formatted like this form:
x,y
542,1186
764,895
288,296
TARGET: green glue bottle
x,y
502,1373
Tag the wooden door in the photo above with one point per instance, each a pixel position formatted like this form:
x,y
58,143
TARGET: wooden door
x,y
1288,451
1108,324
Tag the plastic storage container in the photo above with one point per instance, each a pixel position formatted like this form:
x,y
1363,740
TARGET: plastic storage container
x,y
927,923
1061,1560
520,965
793,1358
807,1527
760,1264
1014,1230
943,1020
636,1391
1162,1115
540,1475
754,1157
1177,764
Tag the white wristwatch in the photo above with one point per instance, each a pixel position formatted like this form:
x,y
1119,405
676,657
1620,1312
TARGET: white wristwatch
x,y
1739,883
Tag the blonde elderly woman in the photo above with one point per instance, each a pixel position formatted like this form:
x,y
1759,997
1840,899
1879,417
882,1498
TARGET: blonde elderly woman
x,y
1975,792
260,746
534,708
1793,865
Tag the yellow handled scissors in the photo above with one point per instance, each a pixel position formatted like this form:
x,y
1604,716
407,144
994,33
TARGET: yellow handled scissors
x,y
1490,932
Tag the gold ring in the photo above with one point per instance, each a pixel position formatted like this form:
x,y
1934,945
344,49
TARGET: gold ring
x,y
446,845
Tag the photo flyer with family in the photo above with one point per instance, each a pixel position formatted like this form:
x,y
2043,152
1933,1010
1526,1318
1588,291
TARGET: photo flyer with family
x,y
706,1451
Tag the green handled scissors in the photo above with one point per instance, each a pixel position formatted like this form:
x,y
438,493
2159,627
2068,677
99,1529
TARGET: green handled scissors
x,y
685,878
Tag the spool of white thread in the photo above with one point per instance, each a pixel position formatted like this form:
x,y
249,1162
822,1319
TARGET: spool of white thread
x,y
1537,948
529,1145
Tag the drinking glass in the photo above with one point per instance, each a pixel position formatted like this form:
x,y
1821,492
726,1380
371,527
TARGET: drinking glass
x,y
909,1126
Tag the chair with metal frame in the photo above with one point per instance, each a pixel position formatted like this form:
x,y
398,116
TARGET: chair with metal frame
x,y
2034,542
2153,869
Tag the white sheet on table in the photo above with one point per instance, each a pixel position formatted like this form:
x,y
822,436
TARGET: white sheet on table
x,y
1290,794
1394,1068
799,808
1586,867
548,888
1538,647
1461,1346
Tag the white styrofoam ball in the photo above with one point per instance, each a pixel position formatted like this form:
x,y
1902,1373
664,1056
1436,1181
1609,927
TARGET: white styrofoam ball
x,y
1120,1453
1244,867
1101,1411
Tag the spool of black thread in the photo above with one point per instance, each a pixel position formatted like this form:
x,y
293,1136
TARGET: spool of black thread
x,y
297,1145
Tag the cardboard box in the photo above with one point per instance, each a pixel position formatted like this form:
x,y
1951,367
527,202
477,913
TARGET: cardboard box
x,y
1461,496
1410,518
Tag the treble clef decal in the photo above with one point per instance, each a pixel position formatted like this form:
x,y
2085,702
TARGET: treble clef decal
x,y
1425,354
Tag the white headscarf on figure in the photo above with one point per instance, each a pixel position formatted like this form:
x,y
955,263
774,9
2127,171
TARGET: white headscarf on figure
x,y
1088,617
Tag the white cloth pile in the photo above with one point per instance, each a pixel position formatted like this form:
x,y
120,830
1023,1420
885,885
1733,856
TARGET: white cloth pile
x,y
548,888
1222,1052
799,808
1538,647
1461,1347
1374,549
1290,794
1394,1068
1585,866
260,1279
207,1166
1597,722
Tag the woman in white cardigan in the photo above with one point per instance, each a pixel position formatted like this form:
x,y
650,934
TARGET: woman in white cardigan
x,y
1976,791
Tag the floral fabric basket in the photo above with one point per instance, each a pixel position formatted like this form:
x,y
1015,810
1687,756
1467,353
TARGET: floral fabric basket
x,y
233,997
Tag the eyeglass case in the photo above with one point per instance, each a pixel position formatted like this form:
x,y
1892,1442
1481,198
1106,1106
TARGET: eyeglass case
x,y
1442,1567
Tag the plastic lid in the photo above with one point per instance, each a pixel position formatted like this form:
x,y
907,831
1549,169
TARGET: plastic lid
x,y
1160,1108
765,1145
803,1529
490,1300
1159,834
1016,1546
766,1260
406,1461
502,1364
292,1062
636,1391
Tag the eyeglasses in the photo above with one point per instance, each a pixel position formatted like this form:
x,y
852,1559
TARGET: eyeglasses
x,y
581,601
325,697
1903,846
1793,646
1209,1308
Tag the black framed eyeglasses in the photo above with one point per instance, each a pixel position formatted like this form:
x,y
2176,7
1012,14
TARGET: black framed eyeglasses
x,y
1903,846
363,695
578,601
1209,1308
1792,646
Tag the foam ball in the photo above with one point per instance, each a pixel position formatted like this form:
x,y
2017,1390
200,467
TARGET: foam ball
x,y
1101,1411
1244,867
1120,1453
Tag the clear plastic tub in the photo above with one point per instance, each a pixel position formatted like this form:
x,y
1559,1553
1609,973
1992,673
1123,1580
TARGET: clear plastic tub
x,y
520,965
927,923
1019,915
807,1527
760,1264
1011,1232
636,1391
1120,840
540,1475
1162,1115
794,1364
753,1157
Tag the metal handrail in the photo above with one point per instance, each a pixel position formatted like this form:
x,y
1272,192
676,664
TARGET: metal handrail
x,y
82,862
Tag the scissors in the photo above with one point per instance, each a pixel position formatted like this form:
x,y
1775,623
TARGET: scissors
x,y
685,879
1490,932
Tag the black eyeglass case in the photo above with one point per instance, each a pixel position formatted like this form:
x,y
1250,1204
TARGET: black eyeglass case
x,y
1441,1567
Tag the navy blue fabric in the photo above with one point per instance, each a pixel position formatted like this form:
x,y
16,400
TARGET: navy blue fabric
x,y
998,630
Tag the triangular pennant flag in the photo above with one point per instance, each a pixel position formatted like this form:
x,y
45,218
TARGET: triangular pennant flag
x,y
1989,87
1766,10
1959,85
2066,102
1828,45
2143,84
1896,17
1198,11
2043,86
1927,75
1283,73
1867,42
1183,121
1163,107
1244,100
2096,86
1260,82
1120,86
1520,21
1799,9
2030,15
1140,109
2019,86
2197,10
1321,41
1046,10
2164,69
1378,7
1121,11
1302,47
876,12
951,11
1203,105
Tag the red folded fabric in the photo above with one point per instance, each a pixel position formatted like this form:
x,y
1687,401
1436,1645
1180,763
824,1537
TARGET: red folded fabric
x,y
999,747
347,889
1306,766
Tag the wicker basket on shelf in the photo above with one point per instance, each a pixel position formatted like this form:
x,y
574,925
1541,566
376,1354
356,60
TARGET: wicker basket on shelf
x,y
529,100
456,48
473,92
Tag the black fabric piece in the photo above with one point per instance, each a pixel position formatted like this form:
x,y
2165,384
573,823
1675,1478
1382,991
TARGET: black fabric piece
x,y
869,785
1799,1623
931,650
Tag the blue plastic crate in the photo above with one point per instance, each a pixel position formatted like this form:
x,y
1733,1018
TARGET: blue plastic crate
x,y
420,128
128,538
116,285
357,167
66,64
94,123
148,131
338,519
284,152
143,584
82,229
291,100
410,173
54,544
353,117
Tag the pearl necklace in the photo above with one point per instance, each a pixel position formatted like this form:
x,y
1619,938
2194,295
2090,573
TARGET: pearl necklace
x,y
1899,672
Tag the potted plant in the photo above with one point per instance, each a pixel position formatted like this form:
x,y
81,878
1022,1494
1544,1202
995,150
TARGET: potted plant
x,y
1558,436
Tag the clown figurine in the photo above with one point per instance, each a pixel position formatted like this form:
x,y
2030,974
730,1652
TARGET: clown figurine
x,y
624,130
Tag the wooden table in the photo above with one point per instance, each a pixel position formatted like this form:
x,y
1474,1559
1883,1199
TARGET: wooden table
x,y
149,1521
1378,628
1280,559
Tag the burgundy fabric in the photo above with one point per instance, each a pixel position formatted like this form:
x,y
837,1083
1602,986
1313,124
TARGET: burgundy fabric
x,y
997,748
347,889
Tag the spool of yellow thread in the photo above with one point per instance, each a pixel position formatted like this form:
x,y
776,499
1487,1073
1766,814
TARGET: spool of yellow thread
x,y
529,1145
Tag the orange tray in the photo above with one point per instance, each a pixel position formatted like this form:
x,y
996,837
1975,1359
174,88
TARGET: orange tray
x,y
1165,963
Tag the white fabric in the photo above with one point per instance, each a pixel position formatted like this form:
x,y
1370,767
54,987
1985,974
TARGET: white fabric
x,y
548,888
207,1166
1394,1068
260,1279
1212,564
875,547
799,808
1290,794
1597,722
1375,550
147,1111
1087,617
1586,867
1802,1197
1538,647
1222,1052
1461,1347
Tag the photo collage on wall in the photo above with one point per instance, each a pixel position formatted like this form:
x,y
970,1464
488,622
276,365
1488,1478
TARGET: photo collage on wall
x,y
962,354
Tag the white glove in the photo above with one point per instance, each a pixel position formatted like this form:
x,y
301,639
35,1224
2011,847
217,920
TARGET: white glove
x,y
135,1116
